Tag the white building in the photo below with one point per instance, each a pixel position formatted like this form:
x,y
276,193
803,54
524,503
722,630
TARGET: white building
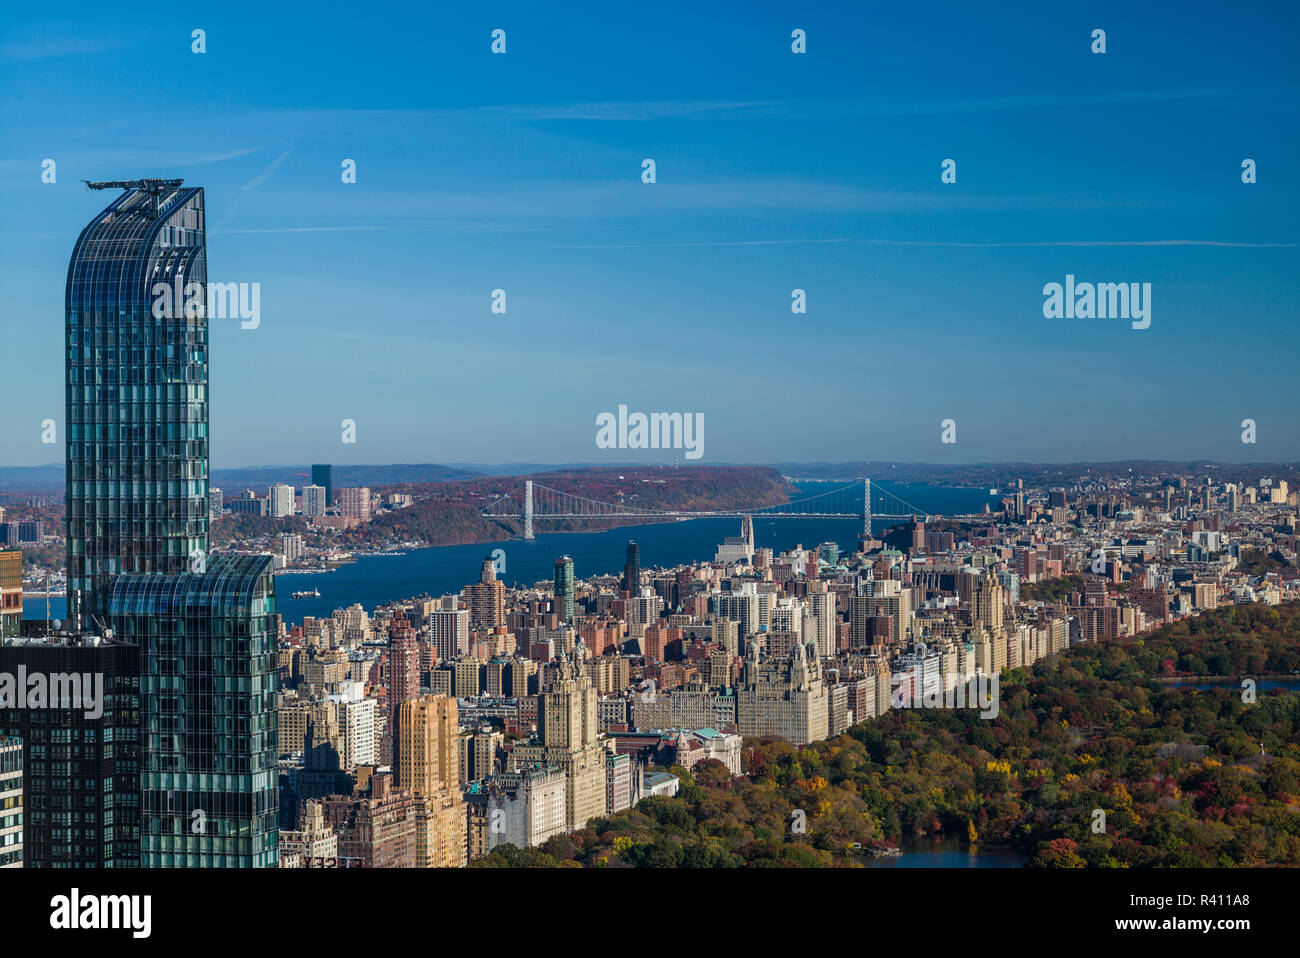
x,y
313,501
281,500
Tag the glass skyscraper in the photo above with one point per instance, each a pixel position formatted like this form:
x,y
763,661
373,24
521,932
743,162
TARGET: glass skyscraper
x,y
564,589
137,506
208,776
322,474
137,392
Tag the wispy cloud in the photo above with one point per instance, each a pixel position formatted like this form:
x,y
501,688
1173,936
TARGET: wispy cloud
x,y
43,47
941,243
267,173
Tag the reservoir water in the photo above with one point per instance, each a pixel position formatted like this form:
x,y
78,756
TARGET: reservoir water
x,y
948,853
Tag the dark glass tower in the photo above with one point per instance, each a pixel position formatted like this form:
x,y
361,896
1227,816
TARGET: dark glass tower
x,y
137,392
137,506
81,801
632,570
564,589
323,475
208,775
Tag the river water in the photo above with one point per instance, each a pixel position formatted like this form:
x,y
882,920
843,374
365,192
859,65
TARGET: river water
x,y
375,580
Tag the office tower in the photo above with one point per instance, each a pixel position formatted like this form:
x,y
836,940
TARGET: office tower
x,y
281,499
11,592
11,802
322,474
137,537
564,589
208,773
428,765
313,501
355,503
81,801
487,598
632,570
137,392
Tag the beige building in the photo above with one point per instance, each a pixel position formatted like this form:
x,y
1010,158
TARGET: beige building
x,y
428,763
783,697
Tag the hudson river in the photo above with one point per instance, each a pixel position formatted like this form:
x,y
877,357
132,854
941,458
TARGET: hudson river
x,y
375,580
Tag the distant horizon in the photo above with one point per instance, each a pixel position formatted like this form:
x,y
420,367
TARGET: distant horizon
x,y
468,466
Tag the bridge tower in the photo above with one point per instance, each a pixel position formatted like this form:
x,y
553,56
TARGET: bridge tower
x,y
528,508
866,508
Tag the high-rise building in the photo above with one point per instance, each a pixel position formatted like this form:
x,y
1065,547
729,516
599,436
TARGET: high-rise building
x,y
314,501
987,604
632,570
564,589
487,598
11,592
290,546
403,668
449,632
568,731
281,499
428,762
81,770
322,474
137,536
208,772
355,503
137,392
11,802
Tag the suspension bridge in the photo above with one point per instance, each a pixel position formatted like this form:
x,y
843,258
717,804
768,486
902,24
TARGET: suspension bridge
x,y
536,502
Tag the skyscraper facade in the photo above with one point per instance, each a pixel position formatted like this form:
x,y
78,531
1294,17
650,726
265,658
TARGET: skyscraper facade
x,y
208,774
204,789
81,780
322,474
136,367
632,570
564,588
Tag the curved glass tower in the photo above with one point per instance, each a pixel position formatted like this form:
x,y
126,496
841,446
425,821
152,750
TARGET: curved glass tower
x,y
137,392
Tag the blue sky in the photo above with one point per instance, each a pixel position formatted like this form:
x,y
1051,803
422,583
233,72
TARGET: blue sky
x,y
775,171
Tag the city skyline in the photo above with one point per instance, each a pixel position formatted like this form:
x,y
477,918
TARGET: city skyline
x,y
775,172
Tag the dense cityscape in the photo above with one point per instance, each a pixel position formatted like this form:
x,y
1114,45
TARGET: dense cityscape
x,y
786,455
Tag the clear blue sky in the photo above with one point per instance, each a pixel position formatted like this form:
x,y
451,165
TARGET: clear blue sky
x,y
775,171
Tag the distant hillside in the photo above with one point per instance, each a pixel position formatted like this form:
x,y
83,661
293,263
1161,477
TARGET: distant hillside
x,y
259,477
35,478
997,474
